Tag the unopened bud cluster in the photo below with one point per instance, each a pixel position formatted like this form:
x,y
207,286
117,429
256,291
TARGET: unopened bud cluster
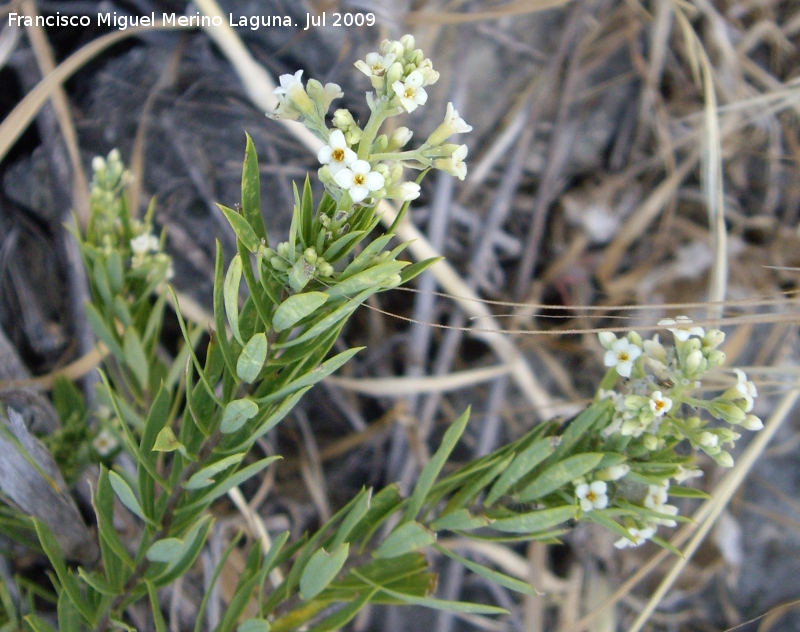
x,y
654,384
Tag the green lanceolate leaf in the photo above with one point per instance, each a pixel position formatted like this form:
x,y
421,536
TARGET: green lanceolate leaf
x,y
341,617
361,504
522,464
237,413
460,520
307,213
535,521
493,576
125,494
431,470
102,331
252,358
415,269
375,276
243,231
251,191
168,550
405,539
560,474
115,272
231,295
135,357
204,477
321,570
101,283
296,308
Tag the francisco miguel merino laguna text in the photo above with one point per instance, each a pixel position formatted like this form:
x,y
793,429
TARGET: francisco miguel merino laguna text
x,y
254,22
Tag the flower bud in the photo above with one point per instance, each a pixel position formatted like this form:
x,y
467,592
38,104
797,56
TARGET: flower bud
x,y
612,473
394,74
399,138
724,459
708,440
654,349
713,338
408,43
403,192
634,338
715,358
695,362
650,441
751,422
607,338
727,410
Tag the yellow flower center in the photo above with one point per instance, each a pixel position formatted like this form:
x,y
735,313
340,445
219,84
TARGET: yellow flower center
x,y
591,496
409,93
659,404
359,179
623,356
338,154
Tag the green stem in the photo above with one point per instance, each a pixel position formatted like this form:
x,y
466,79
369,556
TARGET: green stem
x,y
376,119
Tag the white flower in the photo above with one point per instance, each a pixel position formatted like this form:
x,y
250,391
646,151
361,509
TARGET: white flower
x,y
746,388
454,164
336,154
375,64
359,180
660,404
144,243
592,496
105,443
292,96
622,355
655,350
680,328
453,124
636,537
669,510
613,472
410,92
399,138
657,496
290,84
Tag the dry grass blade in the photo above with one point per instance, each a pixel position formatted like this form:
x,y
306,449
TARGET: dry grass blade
x,y
26,110
46,62
519,7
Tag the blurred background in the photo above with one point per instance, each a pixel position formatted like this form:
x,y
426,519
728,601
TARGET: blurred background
x,y
623,153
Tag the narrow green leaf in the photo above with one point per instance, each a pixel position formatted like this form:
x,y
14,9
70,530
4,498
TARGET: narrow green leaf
x,y
110,545
193,543
580,426
204,477
228,484
321,570
437,604
361,504
69,618
405,539
431,470
535,521
307,213
115,271
38,624
501,579
415,269
135,357
101,283
125,494
522,464
560,474
237,413
276,417
344,615
219,311
251,191
230,291
371,277
317,375
296,308
251,359
167,550
242,229
679,491
158,616
102,331
460,520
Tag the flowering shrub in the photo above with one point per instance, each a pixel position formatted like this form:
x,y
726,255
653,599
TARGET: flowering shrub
x,y
188,425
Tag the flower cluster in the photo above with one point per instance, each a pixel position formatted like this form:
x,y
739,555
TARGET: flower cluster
x,y
361,162
361,165
656,383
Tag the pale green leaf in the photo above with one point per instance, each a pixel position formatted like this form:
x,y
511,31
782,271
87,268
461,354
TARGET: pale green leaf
x,y
253,625
251,359
296,308
560,474
242,229
460,520
321,570
204,477
233,279
535,521
405,539
500,579
522,464
135,357
125,494
168,550
236,414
